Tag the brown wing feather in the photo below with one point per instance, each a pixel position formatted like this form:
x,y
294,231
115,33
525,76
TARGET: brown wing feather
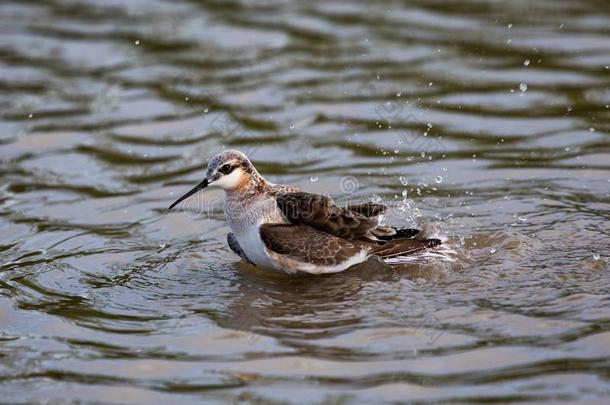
x,y
325,234
306,244
320,212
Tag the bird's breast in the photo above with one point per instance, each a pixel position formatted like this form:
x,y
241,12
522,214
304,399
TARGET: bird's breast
x,y
245,217
246,213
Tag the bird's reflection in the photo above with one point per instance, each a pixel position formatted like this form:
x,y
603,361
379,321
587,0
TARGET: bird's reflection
x,y
287,307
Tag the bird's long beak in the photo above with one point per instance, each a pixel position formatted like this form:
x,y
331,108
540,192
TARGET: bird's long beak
x,y
198,187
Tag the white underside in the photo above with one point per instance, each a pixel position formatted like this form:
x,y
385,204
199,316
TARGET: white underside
x,y
252,245
292,266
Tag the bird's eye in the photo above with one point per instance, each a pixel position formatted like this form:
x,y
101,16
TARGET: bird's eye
x,y
225,169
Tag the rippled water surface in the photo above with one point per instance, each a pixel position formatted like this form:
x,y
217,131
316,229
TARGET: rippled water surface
x,y
490,120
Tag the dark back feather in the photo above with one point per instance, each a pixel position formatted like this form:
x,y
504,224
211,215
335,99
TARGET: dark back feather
x,y
320,212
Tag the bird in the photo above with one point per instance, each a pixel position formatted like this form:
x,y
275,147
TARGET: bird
x,y
283,228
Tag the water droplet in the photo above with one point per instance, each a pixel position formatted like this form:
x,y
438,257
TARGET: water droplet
x,y
30,115
492,251
313,179
510,26
403,180
137,42
523,87
596,256
438,179
523,219
162,245
526,62
398,94
205,111
291,126
430,84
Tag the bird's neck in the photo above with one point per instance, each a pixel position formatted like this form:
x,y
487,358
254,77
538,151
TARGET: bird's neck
x,y
250,183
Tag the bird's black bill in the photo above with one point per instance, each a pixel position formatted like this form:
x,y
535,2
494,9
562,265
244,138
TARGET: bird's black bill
x,y
198,187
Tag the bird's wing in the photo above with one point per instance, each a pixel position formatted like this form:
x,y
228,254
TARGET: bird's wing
x,y
342,227
320,212
303,248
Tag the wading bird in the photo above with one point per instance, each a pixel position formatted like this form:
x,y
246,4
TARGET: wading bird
x,y
285,229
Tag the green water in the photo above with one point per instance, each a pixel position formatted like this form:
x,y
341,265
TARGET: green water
x,y
490,120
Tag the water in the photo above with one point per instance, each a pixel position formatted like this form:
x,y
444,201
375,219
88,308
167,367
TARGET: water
x,y
109,110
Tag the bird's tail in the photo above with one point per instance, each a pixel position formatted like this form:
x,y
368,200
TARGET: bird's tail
x,y
411,245
403,246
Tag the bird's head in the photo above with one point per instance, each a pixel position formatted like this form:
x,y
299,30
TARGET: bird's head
x,y
230,170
